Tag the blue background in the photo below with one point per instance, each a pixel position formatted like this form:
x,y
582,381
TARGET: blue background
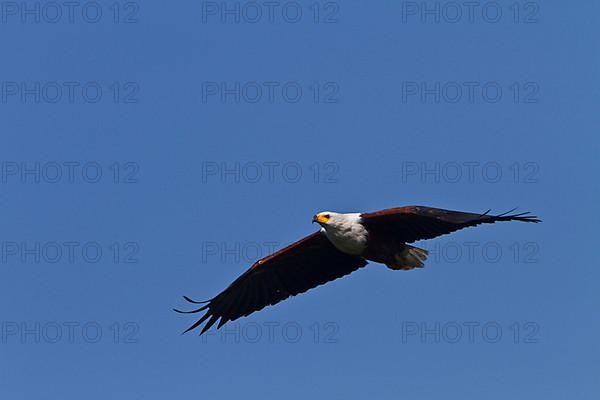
x,y
370,135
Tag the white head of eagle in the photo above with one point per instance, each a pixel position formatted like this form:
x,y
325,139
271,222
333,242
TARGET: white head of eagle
x,y
345,231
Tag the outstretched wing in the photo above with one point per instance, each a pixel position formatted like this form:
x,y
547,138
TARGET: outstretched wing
x,y
412,223
301,266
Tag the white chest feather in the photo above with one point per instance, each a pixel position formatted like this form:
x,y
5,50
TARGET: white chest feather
x,y
347,234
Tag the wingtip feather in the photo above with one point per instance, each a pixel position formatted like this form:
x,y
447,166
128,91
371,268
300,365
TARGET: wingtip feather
x,y
197,323
522,216
194,301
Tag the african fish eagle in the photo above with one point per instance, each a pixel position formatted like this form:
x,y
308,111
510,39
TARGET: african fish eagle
x,y
343,244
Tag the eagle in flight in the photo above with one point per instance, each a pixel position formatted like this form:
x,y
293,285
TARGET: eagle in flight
x,y
343,244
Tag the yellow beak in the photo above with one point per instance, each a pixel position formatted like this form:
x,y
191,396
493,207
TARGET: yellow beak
x,y
320,218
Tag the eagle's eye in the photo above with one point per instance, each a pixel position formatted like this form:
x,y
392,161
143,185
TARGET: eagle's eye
x,y
327,216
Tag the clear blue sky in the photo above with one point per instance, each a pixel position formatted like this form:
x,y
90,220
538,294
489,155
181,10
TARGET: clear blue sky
x,y
217,140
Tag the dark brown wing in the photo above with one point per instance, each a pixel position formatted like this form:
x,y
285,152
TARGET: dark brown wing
x,y
301,266
412,223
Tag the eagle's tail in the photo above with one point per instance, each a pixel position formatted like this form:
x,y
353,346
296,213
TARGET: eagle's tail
x,y
408,258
